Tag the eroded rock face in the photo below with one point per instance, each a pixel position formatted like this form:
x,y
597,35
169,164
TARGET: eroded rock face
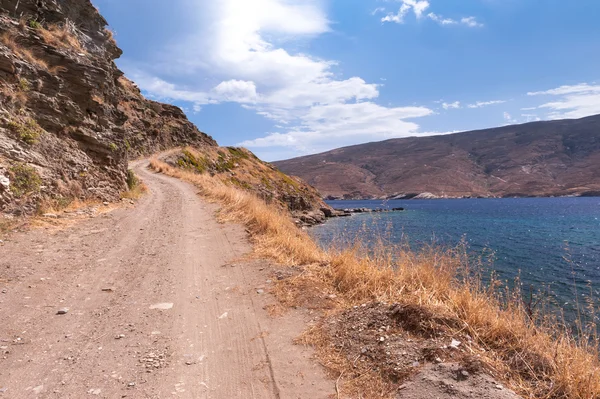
x,y
68,116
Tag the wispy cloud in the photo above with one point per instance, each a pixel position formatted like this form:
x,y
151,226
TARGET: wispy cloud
x,y
471,22
418,7
508,118
481,104
575,101
454,105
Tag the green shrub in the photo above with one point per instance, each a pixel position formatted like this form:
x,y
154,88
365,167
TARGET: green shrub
x,y
192,162
35,24
113,147
132,180
29,132
24,180
24,84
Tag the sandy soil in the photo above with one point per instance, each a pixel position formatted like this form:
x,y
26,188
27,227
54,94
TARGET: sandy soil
x,y
159,304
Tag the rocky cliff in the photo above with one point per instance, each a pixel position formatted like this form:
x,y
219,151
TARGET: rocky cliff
x,y
69,119
535,159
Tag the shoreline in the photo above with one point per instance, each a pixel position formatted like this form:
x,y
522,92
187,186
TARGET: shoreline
x,y
415,198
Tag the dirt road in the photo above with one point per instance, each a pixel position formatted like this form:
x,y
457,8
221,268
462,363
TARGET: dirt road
x,y
159,305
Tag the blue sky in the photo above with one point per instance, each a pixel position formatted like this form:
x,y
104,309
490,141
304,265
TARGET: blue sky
x,y
293,77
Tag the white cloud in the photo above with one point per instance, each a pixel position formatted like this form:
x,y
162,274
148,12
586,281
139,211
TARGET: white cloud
x,y
236,90
419,8
508,118
481,104
344,124
471,22
454,105
238,53
399,16
441,20
531,117
576,101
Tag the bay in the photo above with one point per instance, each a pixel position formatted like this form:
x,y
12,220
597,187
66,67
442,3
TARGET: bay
x,y
551,243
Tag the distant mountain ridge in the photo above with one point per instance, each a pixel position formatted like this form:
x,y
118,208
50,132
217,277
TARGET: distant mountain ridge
x,y
550,158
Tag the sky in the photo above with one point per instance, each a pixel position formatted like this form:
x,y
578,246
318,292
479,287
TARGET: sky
x,y
286,78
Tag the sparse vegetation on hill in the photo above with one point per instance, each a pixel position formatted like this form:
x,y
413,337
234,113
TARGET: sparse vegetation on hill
x,y
427,298
240,168
535,159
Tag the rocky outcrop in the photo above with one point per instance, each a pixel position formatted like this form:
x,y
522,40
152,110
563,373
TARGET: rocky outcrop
x,y
69,119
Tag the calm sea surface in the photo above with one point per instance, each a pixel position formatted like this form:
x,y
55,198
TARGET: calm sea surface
x,y
530,236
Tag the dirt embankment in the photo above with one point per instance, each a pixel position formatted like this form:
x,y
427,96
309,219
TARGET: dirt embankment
x,y
159,303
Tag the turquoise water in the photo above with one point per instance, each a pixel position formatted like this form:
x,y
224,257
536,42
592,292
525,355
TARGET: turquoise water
x,y
549,242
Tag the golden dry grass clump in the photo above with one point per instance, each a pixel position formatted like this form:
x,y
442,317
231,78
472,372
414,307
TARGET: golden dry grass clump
x,y
9,40
537,359
61,36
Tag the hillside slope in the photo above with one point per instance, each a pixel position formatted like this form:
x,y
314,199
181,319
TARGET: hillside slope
x,y
240,168
69,119
535,159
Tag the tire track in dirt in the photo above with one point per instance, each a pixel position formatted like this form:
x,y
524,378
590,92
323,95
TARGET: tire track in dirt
x,y
216,341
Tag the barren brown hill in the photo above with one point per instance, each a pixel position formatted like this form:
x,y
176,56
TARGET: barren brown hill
x,y
534,159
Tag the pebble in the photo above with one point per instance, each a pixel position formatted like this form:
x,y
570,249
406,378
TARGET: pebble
x,y
260,291
106,203
4,291
131,384
498,386
63,311
438,360
162,306
455,344
381,339
120,336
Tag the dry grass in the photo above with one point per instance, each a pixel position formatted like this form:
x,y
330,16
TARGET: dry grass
x,y
97,99
539,360
16,95
9,40
110,36
136,192
61,36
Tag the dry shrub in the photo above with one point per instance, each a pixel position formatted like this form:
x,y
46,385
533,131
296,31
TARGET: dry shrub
x,y
61,36
539,360
9,40
110,36
136,192
15,95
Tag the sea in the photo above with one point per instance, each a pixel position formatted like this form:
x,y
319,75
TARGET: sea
x,y
551,244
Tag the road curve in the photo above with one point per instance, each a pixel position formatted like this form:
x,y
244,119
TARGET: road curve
x,y
161,304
